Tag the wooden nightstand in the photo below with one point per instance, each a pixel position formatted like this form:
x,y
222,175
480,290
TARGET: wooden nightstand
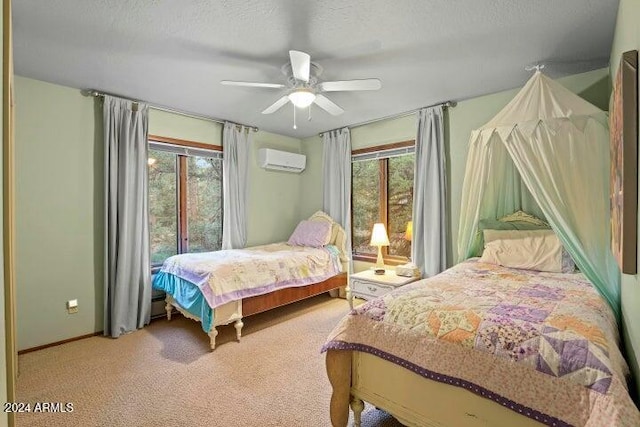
x,y
368,285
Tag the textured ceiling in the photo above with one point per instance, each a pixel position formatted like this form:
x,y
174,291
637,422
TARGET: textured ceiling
x,y
174,53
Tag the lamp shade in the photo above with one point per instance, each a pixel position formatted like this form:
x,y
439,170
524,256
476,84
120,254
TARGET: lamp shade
x,y
379,235
408,235
302,98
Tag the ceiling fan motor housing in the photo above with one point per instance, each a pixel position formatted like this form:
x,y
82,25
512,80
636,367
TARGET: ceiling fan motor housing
x,y
315,70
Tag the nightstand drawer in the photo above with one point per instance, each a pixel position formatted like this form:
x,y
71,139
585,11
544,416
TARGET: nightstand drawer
x,y
370,289
367,285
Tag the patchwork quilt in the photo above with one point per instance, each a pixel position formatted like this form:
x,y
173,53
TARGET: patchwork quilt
x,y
542,344
230,275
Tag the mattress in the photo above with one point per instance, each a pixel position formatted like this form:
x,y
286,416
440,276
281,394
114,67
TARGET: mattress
x,y
542,344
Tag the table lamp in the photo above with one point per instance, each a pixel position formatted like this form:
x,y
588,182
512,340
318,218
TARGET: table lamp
x,y
408,234
379,238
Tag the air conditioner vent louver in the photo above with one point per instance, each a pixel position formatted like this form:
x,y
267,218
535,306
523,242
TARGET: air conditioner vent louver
x,y
281,160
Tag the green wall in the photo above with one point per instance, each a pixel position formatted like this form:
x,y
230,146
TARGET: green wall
x,y
627,37
274,206
459,122
171,125
310,195
59,204
58,213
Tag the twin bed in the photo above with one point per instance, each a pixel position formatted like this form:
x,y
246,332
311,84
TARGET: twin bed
x,y
483,345
223,287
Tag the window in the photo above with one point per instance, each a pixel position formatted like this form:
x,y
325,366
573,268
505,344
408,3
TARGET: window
x,y
382,191
185,198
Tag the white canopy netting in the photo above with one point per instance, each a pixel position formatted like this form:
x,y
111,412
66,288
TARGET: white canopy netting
x,y
546,153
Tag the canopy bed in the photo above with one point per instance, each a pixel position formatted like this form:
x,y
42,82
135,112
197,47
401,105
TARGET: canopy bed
x,y
223,287
515,337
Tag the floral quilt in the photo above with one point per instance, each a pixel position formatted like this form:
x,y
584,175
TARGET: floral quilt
x,y
542,344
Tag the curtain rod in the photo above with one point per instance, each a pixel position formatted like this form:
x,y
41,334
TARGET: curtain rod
x,y
393,116
96,93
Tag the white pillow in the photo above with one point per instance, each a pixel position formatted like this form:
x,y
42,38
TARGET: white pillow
x,y
539,250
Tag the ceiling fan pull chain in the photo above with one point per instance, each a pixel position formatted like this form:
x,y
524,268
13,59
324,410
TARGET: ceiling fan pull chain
x,y
294,117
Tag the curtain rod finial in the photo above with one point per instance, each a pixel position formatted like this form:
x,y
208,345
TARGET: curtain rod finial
x,y
89,92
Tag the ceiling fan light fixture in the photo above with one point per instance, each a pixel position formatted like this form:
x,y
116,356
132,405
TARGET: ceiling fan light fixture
x,y
302,98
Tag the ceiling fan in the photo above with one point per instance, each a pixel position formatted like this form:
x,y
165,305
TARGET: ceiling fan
x,y
304,88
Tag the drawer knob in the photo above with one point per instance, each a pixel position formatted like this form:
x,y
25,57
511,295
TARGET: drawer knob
x,y
372,288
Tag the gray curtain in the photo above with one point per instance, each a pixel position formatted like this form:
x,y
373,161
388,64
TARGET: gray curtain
x,y
236,144
336,174
429,243
127,265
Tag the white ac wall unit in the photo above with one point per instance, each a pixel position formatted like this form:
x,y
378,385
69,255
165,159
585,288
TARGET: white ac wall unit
x,y
281,160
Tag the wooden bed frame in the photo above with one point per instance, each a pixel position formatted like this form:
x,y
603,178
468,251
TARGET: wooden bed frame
x,y
413,400
235,311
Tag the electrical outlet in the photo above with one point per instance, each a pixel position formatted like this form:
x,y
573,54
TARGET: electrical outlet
x,y
72,306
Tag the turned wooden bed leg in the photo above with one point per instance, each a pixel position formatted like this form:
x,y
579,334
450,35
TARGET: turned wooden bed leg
x,y
168,308
357,406
212,338
238,325
338,364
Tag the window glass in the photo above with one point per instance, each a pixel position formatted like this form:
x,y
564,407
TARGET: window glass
x,y
185,200
365,196
382,191
400,203
204,204
163,218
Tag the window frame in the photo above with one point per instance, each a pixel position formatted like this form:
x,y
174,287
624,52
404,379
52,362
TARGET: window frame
x,y
182,240
383,174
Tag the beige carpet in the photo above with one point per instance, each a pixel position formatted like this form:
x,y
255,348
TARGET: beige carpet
x,y
164,375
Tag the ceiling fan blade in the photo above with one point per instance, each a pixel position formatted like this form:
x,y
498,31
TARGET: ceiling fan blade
x,y
252,84
327,105
344,85
276,105
300,65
